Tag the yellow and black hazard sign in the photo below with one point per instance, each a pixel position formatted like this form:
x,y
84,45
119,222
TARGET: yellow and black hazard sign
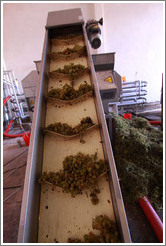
x,y
109,79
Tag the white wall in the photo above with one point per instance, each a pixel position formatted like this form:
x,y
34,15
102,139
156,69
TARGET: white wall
x,y
133,30
24,30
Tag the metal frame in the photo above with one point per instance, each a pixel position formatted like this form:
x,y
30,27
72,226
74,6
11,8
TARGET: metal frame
x,y
15,104
135,91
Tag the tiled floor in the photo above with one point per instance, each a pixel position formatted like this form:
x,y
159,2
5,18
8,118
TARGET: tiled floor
x,y
14,165
140,229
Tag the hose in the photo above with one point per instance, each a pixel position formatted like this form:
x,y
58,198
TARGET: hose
x,y
152,216
8,127
5,133
155,122
5,100
15,135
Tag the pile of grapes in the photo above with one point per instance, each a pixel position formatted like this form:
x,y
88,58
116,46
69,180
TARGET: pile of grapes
x,y
73,70
79,172
108,232
68,92
66,129
76,48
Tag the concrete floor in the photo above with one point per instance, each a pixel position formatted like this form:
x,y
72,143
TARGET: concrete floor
x,y
14,165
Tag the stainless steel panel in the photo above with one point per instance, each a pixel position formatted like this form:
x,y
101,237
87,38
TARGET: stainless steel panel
x,y
28,227
64,18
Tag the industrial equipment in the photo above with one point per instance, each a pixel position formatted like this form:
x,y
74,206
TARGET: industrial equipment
x,y
94,32
15,110
29,84
48,214
133,96
117,96
110,83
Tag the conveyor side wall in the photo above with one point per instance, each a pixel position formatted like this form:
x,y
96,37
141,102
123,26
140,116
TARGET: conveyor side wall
x,y
28,227
113,181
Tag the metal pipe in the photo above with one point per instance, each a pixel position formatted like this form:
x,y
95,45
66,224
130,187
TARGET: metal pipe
x,y
22,111
130,87
7,82
132,96
134,82
15,95
136,91
129,103
9,90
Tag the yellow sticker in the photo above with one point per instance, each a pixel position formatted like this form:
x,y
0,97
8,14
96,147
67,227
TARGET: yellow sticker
x,y
32,102
109,79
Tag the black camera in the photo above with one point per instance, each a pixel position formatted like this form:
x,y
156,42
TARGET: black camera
x,y
94,32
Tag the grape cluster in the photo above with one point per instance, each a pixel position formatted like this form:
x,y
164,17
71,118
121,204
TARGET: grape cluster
x,y
68,92
73,70
76,48
93,194
79,172
108,232
66,129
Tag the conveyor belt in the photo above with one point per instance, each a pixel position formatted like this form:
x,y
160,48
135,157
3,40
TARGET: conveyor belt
x,y
66,216
48,214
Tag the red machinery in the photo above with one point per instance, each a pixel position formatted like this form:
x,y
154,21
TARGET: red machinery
x,y
24,135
